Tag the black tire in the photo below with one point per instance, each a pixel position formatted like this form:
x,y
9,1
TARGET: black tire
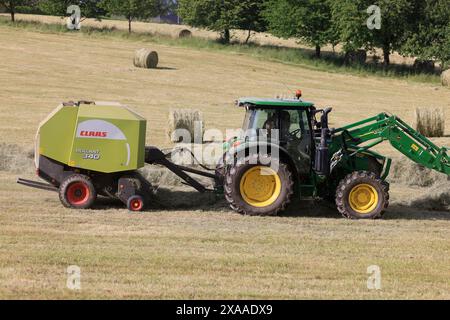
x,y
348,184
77,192
136,203
235,199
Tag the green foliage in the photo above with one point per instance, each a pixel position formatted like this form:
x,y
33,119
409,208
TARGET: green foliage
x,y
89,8
134,9
223,15
350,19
11,6
307,20
429,34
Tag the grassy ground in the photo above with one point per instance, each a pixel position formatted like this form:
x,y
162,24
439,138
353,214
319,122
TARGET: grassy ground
x,y
263,46
208,252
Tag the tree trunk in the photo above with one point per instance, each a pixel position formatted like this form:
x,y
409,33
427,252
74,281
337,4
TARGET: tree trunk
x,y
386,53
248,36
226,36
129,24
318,52
12,9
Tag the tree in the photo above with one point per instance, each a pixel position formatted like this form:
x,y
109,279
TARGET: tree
x,y
89,8
350,18
223,15
11,6
134,9
429,35
307,20
250,18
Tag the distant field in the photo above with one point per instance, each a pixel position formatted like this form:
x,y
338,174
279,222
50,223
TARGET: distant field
x,y
209,252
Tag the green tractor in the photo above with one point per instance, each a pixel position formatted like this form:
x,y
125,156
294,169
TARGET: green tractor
x,y
85,149
264,168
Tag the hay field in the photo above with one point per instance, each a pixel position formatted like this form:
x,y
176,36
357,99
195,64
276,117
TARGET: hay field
x,y
261,38
197,249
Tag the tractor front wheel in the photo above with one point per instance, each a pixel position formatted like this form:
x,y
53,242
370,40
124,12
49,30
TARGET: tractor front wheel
x,y
362,195
77,192
254,187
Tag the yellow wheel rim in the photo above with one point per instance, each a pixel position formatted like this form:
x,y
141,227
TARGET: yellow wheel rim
x,y
363,198
260,186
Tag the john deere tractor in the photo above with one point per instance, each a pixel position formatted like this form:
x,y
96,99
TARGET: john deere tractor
x,y
85,149
263,169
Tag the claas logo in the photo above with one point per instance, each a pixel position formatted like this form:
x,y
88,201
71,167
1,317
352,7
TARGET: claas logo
x,y
99,134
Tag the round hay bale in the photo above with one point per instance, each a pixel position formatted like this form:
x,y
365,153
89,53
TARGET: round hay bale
x,y
144,58
430,121
424,65
356,56
445,78
184,33
185,126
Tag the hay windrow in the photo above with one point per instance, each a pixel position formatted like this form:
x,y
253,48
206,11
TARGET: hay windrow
x,y
436,198
185,125
16,159
409,173
163,177
430,121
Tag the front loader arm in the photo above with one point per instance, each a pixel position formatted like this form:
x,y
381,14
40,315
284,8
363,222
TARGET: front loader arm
x,y
363,135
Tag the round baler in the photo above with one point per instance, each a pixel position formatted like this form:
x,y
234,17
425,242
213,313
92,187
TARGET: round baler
x,y
90,148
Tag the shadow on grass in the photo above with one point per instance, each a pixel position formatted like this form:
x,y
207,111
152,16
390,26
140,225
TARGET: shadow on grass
x,y
166,68
167,200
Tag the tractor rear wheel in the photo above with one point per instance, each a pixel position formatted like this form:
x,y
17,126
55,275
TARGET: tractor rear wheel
x,y
254,188
362,195
77,192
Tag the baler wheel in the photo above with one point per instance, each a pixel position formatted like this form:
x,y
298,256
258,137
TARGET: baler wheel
x,y
136,203
77,192
362,195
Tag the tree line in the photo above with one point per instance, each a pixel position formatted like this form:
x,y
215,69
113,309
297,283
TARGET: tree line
x,y
419,28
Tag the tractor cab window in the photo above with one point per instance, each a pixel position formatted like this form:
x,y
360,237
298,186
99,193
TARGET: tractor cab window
x,y
293,124
260,119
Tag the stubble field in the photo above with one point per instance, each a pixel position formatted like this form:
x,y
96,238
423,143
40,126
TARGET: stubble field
x,y
199,249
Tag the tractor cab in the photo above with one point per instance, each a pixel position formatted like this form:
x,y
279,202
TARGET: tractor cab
x,y
296,126
287,123
287,119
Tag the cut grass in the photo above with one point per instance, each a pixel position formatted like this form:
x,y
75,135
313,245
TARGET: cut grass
x,y
214,254
194,249
329,62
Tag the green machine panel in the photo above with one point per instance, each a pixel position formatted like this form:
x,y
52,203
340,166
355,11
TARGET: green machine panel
x,y
103,137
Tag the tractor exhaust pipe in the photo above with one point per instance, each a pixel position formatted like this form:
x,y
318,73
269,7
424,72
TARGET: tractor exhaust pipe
x,y
322,159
